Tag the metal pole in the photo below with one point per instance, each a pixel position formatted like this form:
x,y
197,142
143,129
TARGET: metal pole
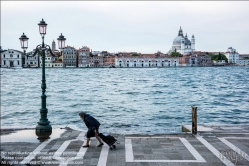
x,y
43,125
194,119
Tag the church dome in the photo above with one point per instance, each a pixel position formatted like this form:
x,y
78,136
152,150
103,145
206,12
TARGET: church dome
x,y
177,40
187,42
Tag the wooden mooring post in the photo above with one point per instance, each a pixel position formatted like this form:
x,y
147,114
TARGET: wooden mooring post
x,y
194,119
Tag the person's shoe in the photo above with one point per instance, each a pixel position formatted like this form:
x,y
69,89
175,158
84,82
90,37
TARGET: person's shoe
x,y
100,145
85,146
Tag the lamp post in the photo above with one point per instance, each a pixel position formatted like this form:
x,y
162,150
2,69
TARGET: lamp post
x,y
43,127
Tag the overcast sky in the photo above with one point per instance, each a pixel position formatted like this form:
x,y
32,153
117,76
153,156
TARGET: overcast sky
x,y
140,26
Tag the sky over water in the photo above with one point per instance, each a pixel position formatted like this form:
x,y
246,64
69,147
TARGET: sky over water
x,y
141,26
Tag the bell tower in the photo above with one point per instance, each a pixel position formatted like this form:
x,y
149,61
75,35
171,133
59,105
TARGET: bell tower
x,y
53,46
193,43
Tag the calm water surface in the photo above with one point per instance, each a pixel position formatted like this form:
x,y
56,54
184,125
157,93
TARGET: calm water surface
x,y
148,100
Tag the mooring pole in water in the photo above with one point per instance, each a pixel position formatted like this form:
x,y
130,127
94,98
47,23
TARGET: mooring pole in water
x,y
194,119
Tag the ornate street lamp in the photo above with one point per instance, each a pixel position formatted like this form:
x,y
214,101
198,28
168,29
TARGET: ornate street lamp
x,y
61,42
24,41
43,127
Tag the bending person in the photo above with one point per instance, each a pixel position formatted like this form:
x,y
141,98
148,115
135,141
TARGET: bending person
x,y
93,126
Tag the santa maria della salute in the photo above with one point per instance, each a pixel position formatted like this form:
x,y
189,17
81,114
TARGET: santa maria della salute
x,y
182,44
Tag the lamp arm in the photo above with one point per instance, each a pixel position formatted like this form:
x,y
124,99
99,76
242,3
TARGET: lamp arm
x,y
49,49
29,54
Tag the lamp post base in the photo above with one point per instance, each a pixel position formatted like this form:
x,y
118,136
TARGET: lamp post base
x,y
43,128
43,132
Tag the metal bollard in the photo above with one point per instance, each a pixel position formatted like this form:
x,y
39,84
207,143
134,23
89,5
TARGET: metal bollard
x,y
194,119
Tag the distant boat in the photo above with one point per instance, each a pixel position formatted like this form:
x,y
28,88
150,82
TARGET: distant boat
x,y
112,66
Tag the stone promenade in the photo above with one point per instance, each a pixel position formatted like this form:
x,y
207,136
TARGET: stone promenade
x,y
211,146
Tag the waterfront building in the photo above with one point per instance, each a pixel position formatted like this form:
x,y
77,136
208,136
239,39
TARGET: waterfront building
x,y
32,61
243,60
202,59
49,60
94,61
12,58
195,59
69,57
109,60
182,44
146,60
82,54
232,55
185,60
57,63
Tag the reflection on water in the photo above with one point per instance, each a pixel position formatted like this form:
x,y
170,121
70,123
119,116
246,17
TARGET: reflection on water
x,y
30,136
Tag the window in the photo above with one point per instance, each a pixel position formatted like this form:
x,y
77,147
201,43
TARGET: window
x,y
3,62
18,62
11,55
4,55
18,56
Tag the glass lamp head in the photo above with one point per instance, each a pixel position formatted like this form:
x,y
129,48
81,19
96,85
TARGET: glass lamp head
x,y
24,41
42,27
61,41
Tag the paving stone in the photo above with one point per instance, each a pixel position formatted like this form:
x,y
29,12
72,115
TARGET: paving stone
x,y
143,149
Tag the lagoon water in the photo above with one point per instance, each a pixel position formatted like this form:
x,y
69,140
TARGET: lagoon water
x,y
127,100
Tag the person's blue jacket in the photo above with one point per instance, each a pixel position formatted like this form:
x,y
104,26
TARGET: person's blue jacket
x,y
91,122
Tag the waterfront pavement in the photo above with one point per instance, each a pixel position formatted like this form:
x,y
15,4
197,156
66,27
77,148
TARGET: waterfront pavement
x,y
211,146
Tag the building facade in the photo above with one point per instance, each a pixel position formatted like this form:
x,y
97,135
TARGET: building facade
x,y
94,61
12,58
32,61
83,53
232,55
182,44
49,60
195,59
146,60
69,57
109,60
243,60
